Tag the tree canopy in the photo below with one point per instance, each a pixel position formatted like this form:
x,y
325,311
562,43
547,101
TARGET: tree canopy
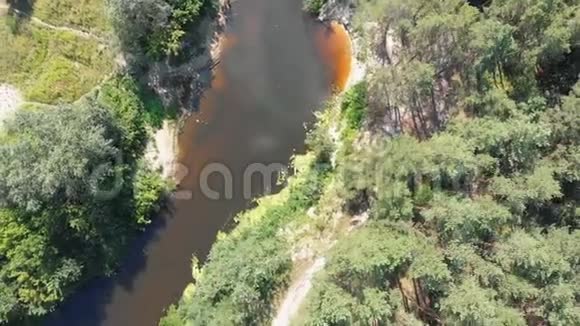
x,y
73,193
156,27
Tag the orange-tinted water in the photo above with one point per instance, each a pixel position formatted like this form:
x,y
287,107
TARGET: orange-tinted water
x,y
336,50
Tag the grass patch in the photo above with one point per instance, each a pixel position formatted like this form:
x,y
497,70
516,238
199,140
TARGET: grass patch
x,y
86,15
51,66
354,105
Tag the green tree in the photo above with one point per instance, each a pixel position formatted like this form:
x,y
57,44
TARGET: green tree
x,y
53,154
468,221
497,48
135,22
155,27
469,304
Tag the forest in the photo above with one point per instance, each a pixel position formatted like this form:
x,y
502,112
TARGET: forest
x,y
462,148
441,189
75,187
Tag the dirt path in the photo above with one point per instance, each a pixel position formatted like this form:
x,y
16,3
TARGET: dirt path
x,y
4,8
297,293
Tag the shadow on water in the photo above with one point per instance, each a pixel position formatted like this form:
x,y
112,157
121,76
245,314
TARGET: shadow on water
x,y
272,76
87,306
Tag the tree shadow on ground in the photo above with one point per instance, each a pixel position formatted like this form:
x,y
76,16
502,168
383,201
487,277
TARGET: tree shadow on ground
x,y
24,6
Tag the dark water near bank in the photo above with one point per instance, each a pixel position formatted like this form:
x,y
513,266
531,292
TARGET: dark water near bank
x,y
274,72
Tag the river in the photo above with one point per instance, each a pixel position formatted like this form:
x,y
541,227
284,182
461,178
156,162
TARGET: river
x,y
277,67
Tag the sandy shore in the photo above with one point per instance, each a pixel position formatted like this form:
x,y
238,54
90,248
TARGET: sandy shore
x,y
10,100
358,69
163,150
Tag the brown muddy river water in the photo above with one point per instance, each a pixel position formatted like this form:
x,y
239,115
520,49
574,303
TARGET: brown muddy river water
x,y
277,68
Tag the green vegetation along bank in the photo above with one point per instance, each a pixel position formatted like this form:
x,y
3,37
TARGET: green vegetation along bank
x,y
75,186
461,146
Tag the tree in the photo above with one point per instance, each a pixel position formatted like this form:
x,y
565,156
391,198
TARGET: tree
x,y
543,23
496,47
136,22
33,276
467,221
72,195
565,119
469,304
362,281
53,155
516,143
155,27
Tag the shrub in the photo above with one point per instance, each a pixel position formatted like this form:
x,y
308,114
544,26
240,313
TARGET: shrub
x,y
314,6
354,105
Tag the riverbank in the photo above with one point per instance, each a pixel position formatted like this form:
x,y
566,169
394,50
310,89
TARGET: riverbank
x,y
308,256
88,99
269,79
283,217
163,149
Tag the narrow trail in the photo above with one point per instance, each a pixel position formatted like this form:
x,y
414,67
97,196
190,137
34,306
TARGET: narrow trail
x,y
300,287
39,22
297,293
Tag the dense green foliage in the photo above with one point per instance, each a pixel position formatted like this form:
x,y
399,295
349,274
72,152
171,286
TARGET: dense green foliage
x,y
479,220
314,6
358,285
75,188
156,27
73,193
354,105
247,267
463,146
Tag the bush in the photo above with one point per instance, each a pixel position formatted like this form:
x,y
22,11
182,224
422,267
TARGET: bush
x,y
120,96
149,187
354,105
314,6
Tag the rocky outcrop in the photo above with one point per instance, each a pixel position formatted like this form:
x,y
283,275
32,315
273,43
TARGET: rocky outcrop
x,y
341,11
